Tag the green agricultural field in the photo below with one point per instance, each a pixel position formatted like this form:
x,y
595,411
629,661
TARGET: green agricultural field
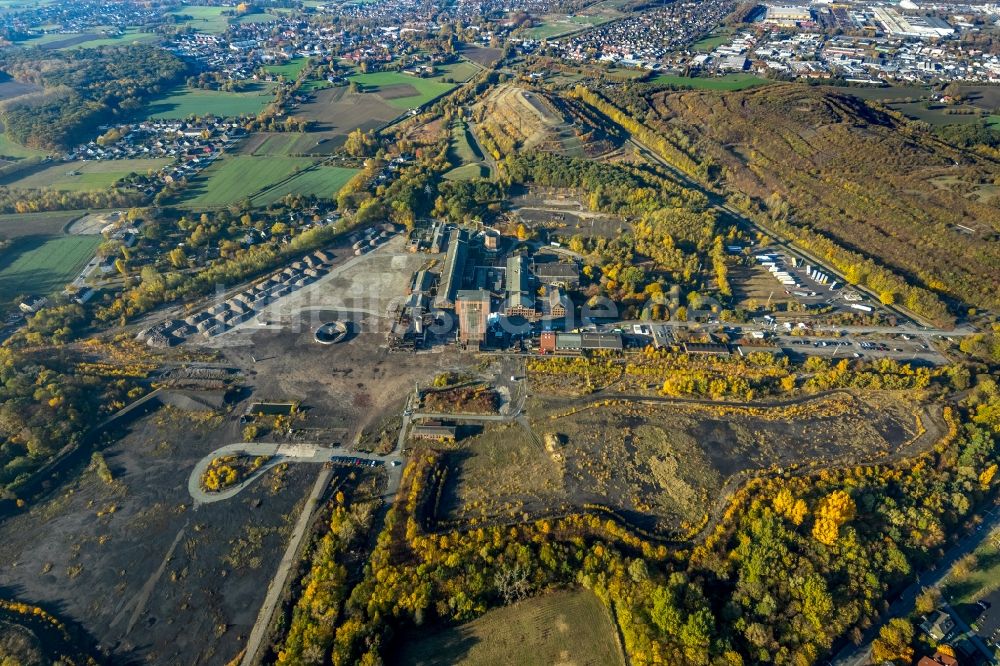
x,y
323,182
460,71
290,70
727,82
83,176
556,26
204,19
280,144
42,40
392,87
565,627
18,225
235,178
183,102
43,264
993,121
130,36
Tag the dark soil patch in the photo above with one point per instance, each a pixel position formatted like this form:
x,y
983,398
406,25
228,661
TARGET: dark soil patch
x,y
149,576
397,91
482,55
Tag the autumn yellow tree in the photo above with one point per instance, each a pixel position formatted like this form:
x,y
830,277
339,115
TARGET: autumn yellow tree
x,y
833,511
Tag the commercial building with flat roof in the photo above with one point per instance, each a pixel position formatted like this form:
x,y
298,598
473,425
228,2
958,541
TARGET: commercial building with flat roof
x,y
454,268
473,309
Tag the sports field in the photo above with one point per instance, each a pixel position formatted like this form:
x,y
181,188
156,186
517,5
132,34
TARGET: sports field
x,y
83,176
727,82
238,177
202,18
401,91
323,182
183,102
566,627
43,265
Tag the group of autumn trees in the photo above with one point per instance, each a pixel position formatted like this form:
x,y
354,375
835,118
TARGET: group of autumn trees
x,y
672,226
868,192
84,88
795,564
48,401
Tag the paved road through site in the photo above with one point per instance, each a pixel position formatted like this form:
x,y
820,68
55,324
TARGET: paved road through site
x,y
288,453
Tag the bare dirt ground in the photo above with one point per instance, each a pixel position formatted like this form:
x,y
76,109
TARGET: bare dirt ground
x,y
150,577
482,55
11,88
341,111
93,223
661,465
564,213
365,285
344,387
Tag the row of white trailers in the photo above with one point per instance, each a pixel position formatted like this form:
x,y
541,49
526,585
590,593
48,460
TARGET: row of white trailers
x,y
773,265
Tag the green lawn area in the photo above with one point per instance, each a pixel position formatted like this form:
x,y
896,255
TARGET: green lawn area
x,y
43,264
204,19
463,150
384,83
711,42
183,102
727,82
290,70
12,149
466,172
993,121
565,627
311,85
258,17
984,579
234,178
323,182
84,176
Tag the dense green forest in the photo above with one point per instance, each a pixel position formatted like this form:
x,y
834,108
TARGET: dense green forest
x,y
84,88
